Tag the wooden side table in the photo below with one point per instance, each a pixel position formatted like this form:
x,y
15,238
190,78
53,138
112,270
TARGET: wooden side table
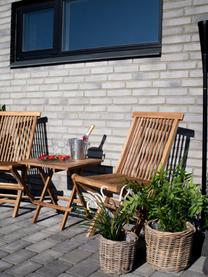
x,y
52,167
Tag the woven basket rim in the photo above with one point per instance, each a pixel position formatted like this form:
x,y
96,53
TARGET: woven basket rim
x,y
189,229
120,241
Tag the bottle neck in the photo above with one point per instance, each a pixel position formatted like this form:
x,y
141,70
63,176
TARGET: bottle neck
x,y
90,130
86,136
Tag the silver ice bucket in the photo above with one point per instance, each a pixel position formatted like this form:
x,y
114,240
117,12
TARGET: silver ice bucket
x,y
78,148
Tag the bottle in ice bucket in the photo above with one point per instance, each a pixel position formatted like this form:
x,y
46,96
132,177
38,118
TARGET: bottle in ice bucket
x,y
86,136
78,146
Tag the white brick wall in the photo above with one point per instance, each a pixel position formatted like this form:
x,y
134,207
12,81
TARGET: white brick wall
x,y
73,96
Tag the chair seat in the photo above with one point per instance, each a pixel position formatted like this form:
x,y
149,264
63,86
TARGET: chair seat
x,y
112,182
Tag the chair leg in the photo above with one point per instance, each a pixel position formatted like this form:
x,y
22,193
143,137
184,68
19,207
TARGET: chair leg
x,y
75,191
91,230
20,180
17,204
78,193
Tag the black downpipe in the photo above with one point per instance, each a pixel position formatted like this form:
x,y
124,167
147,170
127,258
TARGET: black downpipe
x,y
203,34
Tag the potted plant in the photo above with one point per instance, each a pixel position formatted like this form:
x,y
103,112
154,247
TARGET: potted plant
x,y
170,208
116,245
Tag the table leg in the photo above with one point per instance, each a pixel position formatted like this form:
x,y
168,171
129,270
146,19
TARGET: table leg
x,y
45,188
66,213
44,176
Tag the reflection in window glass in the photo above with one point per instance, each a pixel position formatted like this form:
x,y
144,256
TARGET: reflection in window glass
x,y
89,24
38,30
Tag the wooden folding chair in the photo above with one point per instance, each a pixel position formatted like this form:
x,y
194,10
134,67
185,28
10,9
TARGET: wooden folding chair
x,y
16,137
147,147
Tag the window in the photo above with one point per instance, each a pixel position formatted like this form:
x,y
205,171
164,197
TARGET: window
x,y
37,30
59,31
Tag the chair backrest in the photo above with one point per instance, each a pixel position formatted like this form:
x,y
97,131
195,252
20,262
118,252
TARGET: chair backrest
x,y
16,135
148,144
179,152
40,140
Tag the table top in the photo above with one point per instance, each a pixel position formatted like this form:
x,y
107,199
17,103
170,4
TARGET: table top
x,y
60,165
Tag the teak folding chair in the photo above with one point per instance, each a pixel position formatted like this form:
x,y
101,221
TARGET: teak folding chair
x,y
16,136
147,147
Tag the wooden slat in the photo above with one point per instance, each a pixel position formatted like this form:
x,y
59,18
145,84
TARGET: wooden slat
x,y
5,195
171,115
9,201
8,113
11,186
52,206
6,140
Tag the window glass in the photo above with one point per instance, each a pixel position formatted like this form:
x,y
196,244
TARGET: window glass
x,y
91,24
38,30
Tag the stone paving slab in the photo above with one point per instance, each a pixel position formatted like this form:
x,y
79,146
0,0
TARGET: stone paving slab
x,y
23,269
46,256
4,265
19,256
54,268
5,275
13,236
3,254
198,265
76,256
65,275
90,245
66,246
41,245
103,274
2,242
9,228
84,268
145,270
192,274
165,274
42,250
35,274
35,237
15,245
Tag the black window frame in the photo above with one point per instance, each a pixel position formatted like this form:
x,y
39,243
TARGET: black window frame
x,y
58,56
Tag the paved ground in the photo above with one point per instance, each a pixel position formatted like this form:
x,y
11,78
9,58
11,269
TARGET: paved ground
x,y
42,250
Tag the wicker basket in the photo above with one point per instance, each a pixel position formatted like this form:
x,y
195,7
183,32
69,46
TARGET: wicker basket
x,y
168,251
117,256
